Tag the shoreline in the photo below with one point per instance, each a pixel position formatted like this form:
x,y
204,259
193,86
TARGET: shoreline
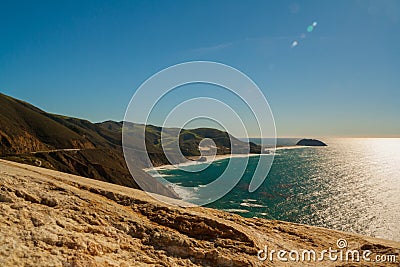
x,y
211,159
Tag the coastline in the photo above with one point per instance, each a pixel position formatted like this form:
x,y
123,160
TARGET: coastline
x,y
211,159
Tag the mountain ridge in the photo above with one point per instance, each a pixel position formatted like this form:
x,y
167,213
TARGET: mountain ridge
x,y
32,136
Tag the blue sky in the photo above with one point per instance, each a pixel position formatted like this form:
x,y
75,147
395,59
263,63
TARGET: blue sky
x,y
86,58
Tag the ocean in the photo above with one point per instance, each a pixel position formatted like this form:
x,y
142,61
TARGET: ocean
x,y
351,185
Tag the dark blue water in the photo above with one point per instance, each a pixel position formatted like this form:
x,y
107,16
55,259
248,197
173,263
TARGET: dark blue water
x,y
352,185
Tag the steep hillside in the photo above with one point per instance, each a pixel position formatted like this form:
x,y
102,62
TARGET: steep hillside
x,y
25,128
33,136
30,135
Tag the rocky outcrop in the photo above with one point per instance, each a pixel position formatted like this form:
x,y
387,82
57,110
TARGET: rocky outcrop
x,y
310,142
49,218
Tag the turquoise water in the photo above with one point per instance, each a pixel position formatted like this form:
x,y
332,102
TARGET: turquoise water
x,y
352,185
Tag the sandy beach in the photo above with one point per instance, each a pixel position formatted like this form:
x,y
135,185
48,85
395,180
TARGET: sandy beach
x,y
210,159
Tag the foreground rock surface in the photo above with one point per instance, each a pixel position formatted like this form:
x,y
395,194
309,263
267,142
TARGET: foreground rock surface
x,y
48,218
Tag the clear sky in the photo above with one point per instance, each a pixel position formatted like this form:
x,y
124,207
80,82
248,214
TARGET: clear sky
x,y
86,58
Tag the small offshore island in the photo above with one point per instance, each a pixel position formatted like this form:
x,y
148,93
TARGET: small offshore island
x,y
310,142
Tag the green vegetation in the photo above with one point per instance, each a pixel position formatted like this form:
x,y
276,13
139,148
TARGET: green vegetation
x,y
94,150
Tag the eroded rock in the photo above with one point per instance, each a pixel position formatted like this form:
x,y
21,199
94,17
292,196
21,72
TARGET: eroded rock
x,y
91,223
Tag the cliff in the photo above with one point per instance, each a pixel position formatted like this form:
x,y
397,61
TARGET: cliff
x,y
49,218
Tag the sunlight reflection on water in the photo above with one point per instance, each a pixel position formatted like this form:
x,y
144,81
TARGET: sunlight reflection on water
x,y
351,185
